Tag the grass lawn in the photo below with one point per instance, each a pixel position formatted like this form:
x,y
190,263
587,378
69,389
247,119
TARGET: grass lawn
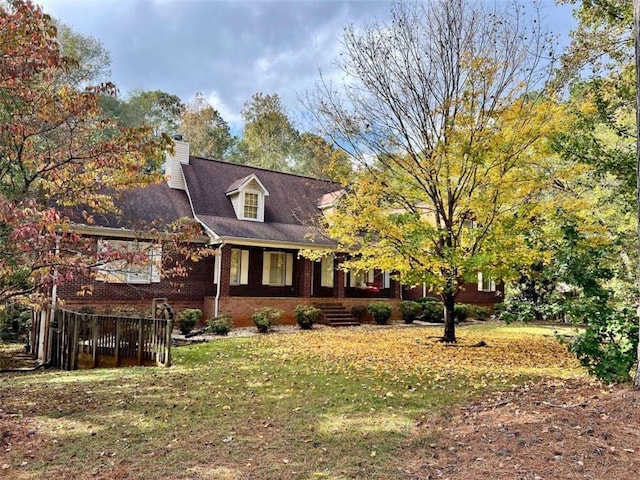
x,y
322,404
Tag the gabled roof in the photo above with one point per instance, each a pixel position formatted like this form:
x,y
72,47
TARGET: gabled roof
x,y
151,206
238,185
290,214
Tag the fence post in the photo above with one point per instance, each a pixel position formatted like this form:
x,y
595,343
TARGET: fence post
x,y
117,345
73,364
167,347
141,322
62,335
94,340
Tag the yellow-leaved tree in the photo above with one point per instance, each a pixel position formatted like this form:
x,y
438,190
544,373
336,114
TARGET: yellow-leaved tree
x,y
446,112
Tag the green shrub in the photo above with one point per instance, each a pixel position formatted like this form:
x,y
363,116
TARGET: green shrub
x,y
478,312
410,310
424,300
358,311
433,311
187,319
517,311
265,318
14,320
380,312
306,316
608,346
220,325
461,312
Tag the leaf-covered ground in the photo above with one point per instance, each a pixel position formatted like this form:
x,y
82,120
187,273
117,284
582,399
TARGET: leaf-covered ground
x,y
572,429
367,403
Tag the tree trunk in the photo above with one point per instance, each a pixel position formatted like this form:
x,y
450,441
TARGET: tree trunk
x,y
636,31
449,299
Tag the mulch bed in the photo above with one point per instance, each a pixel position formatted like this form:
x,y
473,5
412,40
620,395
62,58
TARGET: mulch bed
x,y
573,429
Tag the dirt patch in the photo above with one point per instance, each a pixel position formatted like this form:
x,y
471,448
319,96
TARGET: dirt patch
x,y
574,429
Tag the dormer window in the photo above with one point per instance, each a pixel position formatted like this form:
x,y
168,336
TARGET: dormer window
x,y
251,205
247,196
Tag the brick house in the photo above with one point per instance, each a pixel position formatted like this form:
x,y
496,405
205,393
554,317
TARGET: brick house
x,y
257,221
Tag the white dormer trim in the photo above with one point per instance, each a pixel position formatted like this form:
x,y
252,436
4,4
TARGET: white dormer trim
x,y
241,184
242,194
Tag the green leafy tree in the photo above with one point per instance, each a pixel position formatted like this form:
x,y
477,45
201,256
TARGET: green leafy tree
x,y
315,157
204,128
444,109
599,66
90,62
159,110
269,139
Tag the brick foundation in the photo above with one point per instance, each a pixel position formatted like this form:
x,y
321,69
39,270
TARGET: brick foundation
x,y
241,308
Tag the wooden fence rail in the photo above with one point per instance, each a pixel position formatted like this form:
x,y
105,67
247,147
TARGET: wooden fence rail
x,y
78,340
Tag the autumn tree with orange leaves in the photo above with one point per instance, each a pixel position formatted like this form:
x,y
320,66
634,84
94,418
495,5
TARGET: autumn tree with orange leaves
x,y
55,149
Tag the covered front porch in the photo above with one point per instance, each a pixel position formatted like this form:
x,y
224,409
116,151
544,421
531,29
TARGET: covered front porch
x,y
252,277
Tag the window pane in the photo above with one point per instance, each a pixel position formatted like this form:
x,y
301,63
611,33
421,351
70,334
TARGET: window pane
x,y
234,276
250,205
276,271
326,279
137,270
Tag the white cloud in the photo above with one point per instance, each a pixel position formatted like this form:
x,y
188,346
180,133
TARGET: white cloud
x,y
230,115
228,50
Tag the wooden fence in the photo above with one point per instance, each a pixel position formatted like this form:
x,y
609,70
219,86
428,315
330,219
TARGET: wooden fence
x,y
78,341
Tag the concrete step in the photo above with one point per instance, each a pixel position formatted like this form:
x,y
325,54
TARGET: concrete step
x,y
336,315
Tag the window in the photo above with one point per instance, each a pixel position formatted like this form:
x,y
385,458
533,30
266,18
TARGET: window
x,y
359,278
386,279
239,271
326,271
251,205
486,283
128,262
247,197
277,269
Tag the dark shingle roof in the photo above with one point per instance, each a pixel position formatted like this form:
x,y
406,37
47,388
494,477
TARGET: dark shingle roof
x,y
291,209
151,206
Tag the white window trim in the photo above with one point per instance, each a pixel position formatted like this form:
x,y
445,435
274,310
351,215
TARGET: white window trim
x,y
386,279
121,271
363,275
327,271
260,212
243,268
492,284
287,273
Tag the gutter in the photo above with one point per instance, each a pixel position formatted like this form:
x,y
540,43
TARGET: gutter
x,y
248,242
213,237
124,233
216,303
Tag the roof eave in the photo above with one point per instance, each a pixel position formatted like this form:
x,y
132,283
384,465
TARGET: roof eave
x,y
112,232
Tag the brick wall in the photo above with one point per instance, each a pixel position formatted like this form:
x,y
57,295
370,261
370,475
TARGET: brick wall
x,y
181,292
305,274
241,308
469,294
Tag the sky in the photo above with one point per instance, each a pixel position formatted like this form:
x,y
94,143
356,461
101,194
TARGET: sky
x,y
229,50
